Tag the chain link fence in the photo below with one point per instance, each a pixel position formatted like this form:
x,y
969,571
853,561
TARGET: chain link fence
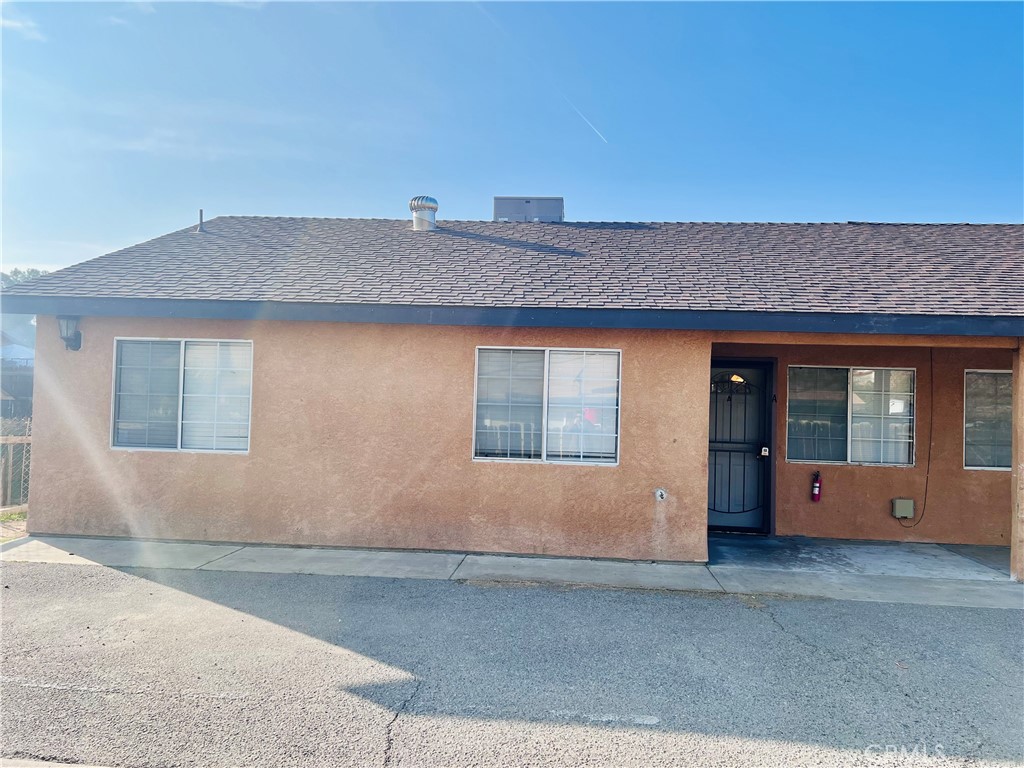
x,y
15,460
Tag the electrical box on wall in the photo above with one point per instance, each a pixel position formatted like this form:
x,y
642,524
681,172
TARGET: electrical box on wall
x,y
903,508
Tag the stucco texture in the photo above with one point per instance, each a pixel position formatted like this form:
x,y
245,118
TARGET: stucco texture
x,y
361,436
953,504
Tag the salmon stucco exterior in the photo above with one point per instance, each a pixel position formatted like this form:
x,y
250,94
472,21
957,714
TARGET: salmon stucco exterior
x,y
565,389
362,437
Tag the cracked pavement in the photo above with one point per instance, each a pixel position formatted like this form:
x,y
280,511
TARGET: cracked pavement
x,y
155,668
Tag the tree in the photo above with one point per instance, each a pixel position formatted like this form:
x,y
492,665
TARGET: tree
x,y
20,329
19,275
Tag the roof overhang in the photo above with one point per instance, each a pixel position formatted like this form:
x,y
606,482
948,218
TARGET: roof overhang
x,y
523,317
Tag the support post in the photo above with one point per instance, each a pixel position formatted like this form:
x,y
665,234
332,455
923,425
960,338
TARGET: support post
x,y
1017,462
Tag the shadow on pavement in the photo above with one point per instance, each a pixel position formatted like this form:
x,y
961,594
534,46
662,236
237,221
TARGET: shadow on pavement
x,y
843,675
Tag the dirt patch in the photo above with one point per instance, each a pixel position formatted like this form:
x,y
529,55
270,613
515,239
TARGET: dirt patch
x,y
13,522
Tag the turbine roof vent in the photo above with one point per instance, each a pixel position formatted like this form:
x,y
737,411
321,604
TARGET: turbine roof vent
x,y
423,208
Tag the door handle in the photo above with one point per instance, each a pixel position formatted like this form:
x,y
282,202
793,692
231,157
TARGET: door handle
x,y
764,452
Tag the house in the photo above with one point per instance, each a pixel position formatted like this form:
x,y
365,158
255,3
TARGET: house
x,y
534,386
15,378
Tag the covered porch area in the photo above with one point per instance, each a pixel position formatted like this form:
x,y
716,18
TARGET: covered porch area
x,y
868,437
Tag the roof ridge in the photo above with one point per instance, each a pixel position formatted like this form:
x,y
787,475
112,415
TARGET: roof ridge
x,y
624,222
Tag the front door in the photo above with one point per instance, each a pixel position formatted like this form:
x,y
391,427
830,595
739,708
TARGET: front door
x,y
739,460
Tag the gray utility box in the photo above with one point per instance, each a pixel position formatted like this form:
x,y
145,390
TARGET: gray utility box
x,y
903,508
529,209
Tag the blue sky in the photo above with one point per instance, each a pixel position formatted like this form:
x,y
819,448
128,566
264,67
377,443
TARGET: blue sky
x,y
121,120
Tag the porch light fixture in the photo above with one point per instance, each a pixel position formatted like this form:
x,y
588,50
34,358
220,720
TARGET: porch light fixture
x,y
736,379
69,333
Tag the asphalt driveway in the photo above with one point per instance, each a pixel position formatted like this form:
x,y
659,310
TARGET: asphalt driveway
x,y
133,667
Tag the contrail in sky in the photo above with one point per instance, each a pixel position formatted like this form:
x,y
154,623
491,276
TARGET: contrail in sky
x,y
529,58
584,118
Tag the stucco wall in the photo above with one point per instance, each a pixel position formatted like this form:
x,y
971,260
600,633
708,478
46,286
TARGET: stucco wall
x,y
963,506
362,436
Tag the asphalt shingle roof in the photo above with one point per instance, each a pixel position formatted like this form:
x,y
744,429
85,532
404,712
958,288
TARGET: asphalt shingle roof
x,y
921,269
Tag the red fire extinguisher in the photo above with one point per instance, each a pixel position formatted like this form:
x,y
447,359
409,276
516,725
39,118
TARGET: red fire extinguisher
x,y
816,487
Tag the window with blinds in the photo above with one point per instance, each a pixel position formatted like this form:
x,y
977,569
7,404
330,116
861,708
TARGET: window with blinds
x,y
146,396
881,416
510,404
187,394
818,411
547,405
215,395
988,408
851,415
583,406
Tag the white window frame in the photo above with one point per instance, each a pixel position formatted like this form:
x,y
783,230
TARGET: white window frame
x,y
964,423
849,417
181,392
544,420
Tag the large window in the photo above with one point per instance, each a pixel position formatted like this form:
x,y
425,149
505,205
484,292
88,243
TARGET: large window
x,y
547,405
189,395
855,415
988,406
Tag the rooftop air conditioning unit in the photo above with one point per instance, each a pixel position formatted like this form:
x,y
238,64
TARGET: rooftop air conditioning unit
x,y
529,209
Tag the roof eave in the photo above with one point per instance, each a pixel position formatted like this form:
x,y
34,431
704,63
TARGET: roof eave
x,y
523,317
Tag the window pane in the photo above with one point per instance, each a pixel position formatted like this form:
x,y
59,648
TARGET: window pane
x,y
164,381
235,355
988,404
563,446
130,434
866,380
529,391
146,394
900,381
233,382
133,381
890,421
895,452
864,402
133,353
198,435
510,393
566,365
866,427
494,362
817,422
165,354
215,404
601,365
604,392
133,407
493,390
232,409
200,382
201,354
867,451
583,399
599,447
163,432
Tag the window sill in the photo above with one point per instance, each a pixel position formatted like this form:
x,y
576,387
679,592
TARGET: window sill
x,y
545,462
850,464
988,469
130,449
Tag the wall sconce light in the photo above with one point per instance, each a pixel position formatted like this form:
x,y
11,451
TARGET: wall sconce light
x,y
69,333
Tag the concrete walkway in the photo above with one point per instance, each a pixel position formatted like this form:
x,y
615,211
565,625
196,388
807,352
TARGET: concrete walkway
x,y
927,574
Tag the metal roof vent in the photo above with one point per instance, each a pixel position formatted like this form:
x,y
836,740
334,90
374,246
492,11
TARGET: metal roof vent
x,y
423,209
529,209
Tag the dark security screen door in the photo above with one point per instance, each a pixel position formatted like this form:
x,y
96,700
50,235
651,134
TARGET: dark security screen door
x,y
738,473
